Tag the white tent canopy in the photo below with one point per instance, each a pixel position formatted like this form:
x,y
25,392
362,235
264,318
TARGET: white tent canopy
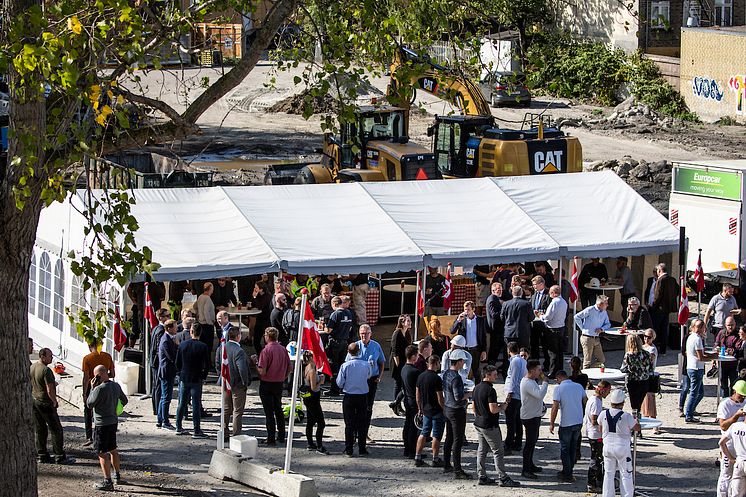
x,y
377,227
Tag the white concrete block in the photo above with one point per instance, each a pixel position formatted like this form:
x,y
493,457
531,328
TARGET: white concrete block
x,y
229,465
244,445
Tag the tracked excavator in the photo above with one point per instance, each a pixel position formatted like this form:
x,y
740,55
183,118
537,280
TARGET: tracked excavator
x,y
470,145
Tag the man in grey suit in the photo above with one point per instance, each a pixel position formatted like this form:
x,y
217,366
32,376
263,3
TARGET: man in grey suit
x,y
517,315
234,400
539,302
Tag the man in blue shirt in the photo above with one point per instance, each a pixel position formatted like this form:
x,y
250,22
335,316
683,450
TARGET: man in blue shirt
x,y
592,321
372,353
353,381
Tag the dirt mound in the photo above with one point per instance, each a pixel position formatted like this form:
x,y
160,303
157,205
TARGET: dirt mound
x,y
296,104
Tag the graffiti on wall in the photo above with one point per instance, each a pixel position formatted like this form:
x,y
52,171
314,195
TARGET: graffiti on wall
x,y
737,84
707,88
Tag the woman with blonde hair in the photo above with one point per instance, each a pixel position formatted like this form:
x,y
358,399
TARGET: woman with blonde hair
x,y
648,405
637,365
440,342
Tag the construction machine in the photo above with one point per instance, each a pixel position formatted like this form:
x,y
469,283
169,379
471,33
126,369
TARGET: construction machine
x,y
470,145
375,147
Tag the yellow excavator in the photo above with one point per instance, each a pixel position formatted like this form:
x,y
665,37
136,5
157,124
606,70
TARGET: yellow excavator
x,y
470,145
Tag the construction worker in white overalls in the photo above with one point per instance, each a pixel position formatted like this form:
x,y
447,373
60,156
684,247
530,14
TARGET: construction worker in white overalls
x,y
616,430
733,445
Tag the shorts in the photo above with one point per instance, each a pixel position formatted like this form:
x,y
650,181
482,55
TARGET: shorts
x,y
436,424
105,438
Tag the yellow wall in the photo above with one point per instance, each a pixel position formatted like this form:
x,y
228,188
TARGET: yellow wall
x,y
713,72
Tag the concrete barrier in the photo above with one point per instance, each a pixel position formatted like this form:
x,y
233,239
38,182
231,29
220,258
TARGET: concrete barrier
x,y
226,464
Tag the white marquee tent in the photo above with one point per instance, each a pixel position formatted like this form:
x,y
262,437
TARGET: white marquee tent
x,y
378,227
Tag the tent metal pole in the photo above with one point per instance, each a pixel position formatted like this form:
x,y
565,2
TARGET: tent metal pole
x,y
296,377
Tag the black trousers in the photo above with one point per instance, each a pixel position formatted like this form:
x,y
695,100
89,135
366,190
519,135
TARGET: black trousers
x,y
258,334
335,352
87,417
554,339
596,466
410,431
637,391
660,324
497,349
354,409
476,375
47,421
155,390
532,435
537,333
513,427
314,417
270,393
372,389
398,382
207,336
455,436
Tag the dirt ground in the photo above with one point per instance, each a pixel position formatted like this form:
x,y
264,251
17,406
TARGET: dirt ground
x,y
239,127
158,463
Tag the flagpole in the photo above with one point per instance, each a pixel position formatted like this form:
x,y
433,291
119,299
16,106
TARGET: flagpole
x,y
699,292
221,430
424,302
575,312
296,377
146,353
450,274
416,305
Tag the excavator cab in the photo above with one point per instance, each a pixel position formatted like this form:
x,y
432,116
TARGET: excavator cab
x,y
456,142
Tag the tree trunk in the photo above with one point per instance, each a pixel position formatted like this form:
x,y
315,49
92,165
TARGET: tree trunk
x,y
27,118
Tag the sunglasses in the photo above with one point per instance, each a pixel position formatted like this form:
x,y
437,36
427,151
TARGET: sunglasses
x,y
648,336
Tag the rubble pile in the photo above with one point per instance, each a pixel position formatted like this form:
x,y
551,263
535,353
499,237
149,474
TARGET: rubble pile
x,y
652,180
296,104
630,115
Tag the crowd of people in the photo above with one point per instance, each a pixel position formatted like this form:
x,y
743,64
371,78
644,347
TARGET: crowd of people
x,y
517,328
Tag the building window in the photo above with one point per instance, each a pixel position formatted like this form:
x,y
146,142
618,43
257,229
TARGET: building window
x,y
32,285
723,12
660,14
58,312
45,288
77,302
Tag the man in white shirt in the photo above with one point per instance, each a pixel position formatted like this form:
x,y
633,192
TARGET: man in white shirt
x,y
733,446
616,429
474,329
554,320
516,371
730,411
533,390
570,397
592,430
695,368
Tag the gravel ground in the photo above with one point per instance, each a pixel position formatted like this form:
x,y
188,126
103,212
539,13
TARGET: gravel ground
x,y
159,463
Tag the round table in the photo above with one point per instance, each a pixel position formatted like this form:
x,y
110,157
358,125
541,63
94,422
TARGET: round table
x,y
721,359
609,374
401,288
239,313
603,288
617,331
645,424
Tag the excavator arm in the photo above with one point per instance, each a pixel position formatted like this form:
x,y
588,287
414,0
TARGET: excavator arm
x,y
411,71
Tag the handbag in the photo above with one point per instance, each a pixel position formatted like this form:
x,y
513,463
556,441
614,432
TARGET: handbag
x,y
654,383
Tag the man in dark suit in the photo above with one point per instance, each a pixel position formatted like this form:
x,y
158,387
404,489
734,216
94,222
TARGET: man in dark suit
x,y
539,302
647,298
517,315
474,329
166,373
155,341
192,363
496,327
665,301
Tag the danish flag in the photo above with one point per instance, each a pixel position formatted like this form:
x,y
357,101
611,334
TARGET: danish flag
x,y
699,275
225,372
574,282
120,337
684,305
447,290
312,341
149,311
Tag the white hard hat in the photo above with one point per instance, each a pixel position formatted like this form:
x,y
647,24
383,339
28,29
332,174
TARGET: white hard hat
x,y
459,341
595,283
458,355
617,396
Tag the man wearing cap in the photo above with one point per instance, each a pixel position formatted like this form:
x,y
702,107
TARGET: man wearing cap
x,y
473,328
457,343
623,277
730,411
592,321
570,397
616,429
454,398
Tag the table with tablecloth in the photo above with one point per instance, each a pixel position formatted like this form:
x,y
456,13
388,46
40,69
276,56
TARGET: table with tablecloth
x,y
461,293
373,306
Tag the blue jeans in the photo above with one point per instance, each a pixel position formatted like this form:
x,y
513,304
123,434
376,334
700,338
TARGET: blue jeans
x,y
569,437
684,390
696,391
189,391
167,391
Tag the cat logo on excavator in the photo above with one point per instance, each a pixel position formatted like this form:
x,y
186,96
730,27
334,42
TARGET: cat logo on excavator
x,y
549,162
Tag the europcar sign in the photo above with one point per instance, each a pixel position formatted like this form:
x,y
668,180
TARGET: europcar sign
x,y
708,183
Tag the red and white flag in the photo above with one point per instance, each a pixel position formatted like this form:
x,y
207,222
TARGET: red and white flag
x,y
312,341
447,290
225,372
573,282
420,296
699,275
120,337
149,311
684,305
